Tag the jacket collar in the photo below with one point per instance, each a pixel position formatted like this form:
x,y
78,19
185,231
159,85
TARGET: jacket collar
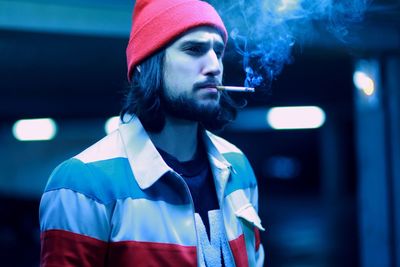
x,y
146,163
214,155
220,167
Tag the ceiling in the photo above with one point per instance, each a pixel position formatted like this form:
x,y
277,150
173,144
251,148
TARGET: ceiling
x,y
66,59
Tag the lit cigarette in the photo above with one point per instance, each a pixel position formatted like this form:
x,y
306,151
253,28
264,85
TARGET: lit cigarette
x,y
236,88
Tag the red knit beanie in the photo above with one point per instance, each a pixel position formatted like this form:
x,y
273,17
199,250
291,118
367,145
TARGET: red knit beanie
x,y
155,23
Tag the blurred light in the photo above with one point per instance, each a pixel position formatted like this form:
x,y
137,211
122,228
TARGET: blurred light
x,y
288,5
310,117
112,124
35,129
364,83
281,167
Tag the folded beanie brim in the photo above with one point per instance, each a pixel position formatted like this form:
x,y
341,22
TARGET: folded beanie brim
x,y
156,25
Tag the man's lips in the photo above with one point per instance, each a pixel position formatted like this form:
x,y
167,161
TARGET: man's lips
x,y
209,86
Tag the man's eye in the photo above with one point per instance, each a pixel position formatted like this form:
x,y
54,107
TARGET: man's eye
x,y
195,50
219,53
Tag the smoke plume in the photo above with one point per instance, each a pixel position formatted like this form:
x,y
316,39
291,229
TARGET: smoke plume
x,y
265,31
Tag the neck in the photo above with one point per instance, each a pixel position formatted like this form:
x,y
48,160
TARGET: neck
x,y
178,138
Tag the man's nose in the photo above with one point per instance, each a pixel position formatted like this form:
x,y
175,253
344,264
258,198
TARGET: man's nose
x,y
212,64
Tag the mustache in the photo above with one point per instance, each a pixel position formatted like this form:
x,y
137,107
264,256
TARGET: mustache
x,y
209,82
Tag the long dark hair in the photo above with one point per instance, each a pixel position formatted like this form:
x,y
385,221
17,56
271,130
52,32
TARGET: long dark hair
x,y
143,98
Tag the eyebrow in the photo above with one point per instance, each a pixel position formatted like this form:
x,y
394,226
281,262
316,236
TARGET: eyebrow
x,y
217,44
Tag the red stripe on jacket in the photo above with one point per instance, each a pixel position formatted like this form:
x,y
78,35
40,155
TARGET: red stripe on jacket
x,y
238,247
67,249
258,238
133,253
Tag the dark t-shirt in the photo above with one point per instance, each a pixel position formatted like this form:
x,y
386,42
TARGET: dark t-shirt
x,y
197,175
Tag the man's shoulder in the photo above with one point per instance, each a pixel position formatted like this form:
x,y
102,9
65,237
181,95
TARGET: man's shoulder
x,y
242,175
109,147
99,172
231,153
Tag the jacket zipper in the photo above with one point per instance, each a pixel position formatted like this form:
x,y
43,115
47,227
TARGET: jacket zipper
x,y
223,220
193,217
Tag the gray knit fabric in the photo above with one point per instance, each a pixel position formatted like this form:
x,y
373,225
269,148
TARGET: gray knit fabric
x,y
210,250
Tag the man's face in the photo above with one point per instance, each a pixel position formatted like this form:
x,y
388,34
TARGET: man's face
x,y
192,68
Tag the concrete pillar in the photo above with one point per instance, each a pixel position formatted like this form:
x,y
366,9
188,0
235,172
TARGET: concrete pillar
x,y
378,155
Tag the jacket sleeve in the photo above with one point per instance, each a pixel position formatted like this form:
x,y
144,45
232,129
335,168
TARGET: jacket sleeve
x,y
244,178
74,224
260,256
259,249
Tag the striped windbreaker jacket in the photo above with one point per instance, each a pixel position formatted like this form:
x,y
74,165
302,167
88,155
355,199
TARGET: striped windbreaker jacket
x,y
112,205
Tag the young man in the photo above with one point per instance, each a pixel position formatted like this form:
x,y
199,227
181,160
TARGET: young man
x,y
161,190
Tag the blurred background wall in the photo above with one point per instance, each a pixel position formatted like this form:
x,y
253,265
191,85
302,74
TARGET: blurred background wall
x,y
329,195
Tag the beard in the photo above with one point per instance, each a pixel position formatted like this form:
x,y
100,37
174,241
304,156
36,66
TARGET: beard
x,y
188,108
